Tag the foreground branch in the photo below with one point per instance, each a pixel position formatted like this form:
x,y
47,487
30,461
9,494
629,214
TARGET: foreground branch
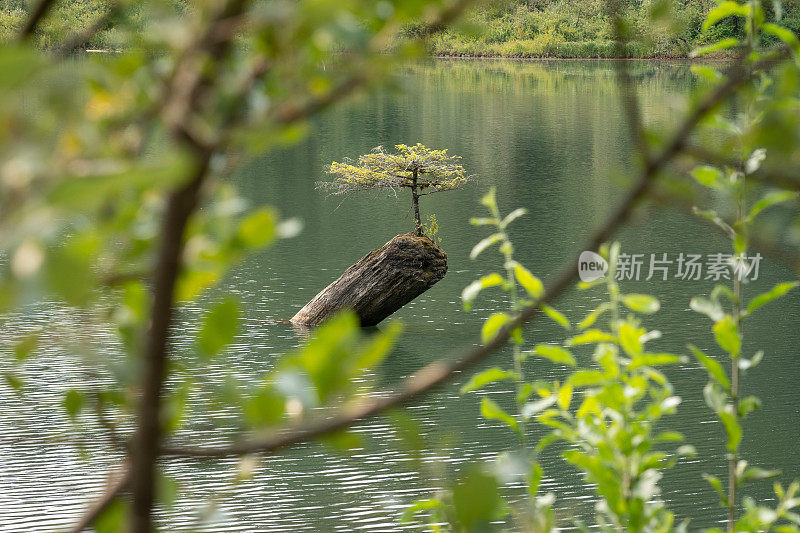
x,y
116,485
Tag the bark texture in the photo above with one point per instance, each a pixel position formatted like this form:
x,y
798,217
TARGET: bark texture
x,y
381,282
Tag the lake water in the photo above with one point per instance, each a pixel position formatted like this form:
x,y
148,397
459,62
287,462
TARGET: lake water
x,y
550,136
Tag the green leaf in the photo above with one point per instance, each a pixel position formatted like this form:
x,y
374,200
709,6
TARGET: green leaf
x,y
69,268
744,363
724,10
13,381
707,73
330,359
711,308
483,221
587,378
726,332
555,316
532,408
491,411
784,34
768,200
17,63
529,282
490,199
748,404
641,303
714,396
669,436
484,244
512,216
73,402
344,440
589,336
420,506
757,474
378,346
717,485
83,191
654,359
487,376
535,478
732,428
113,518
265,407
776,292
592,317
192,282
476,500
564,396
714,368
554,353
629,339
713,217
492,326
166,490
754,160
723,44
219,327
472,290
258,228
25,346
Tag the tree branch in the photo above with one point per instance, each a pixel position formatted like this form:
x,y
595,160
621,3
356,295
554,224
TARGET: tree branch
x,y
115,486
80,39
42,8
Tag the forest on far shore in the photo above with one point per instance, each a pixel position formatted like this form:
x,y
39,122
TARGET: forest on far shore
x,y
516,29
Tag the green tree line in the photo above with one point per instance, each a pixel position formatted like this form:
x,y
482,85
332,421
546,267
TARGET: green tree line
x,y
584,29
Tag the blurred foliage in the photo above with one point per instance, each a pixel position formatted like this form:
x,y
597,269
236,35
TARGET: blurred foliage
x,y
609,412
95,148
98,152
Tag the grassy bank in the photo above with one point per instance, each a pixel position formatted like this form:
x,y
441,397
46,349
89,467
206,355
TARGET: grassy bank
x,y
69,17
582,29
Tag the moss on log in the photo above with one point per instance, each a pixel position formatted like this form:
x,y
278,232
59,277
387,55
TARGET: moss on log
x,y
381,282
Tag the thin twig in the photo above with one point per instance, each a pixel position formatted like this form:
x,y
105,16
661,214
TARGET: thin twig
x,y
116,485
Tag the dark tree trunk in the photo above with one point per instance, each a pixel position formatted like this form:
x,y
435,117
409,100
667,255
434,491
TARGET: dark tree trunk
x,y
415,201
147,437
381,282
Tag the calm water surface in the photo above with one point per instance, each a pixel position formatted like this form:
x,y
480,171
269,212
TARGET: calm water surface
x,y
551,138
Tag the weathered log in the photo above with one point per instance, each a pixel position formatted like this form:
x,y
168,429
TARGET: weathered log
x,y
381,282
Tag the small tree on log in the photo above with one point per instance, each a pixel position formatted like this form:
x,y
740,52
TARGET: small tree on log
x,y
417,167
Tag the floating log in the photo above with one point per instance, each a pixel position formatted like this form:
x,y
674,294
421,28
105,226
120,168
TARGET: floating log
x,y
381,282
